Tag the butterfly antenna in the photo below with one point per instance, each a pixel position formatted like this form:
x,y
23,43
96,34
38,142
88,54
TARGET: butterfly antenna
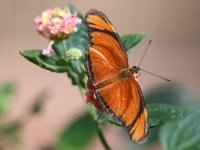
x,y
153,74
144,53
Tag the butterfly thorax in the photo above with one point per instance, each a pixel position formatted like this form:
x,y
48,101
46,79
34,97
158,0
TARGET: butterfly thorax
x,y
122,75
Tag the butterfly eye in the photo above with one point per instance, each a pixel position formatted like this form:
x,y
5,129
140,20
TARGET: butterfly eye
x,y
136,69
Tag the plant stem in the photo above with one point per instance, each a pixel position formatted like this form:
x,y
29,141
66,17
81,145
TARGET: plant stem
x,y
101,136
97,125
81,91
64,45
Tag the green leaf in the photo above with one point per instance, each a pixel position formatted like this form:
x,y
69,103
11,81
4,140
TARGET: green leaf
x,y
165,113
131,40
189,109
53,63
6,92
153,123
186,136
158,115
78,134
76,73
165,135
60,47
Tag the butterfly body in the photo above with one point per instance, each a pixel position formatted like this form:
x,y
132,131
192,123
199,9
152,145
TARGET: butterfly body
x,y
113,88
122,75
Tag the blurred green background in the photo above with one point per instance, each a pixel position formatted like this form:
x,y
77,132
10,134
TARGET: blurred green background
x,y
173,27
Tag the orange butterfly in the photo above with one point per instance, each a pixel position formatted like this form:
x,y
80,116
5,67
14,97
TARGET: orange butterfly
x,y
113,89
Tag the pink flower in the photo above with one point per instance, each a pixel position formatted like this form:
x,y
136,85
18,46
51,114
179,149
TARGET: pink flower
x,y
48,51
57,23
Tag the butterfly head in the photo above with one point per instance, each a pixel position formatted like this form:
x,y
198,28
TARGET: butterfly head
x,y
136,69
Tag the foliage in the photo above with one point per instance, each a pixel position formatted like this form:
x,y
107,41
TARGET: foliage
x,y
131,40
6,92
78,134
184,136
10,130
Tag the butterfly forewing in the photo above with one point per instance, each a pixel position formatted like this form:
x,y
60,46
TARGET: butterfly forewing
x,y
105,58
102,69
104,36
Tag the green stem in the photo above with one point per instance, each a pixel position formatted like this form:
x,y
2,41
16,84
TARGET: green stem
x,y
81,91
101,136
97,125
64,45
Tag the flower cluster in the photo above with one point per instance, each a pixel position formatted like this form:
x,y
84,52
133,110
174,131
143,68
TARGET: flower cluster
x,y
57,23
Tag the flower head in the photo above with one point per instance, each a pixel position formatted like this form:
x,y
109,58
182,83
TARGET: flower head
x,y
57,23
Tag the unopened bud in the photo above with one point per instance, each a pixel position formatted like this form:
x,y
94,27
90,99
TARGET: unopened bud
x,y
73,53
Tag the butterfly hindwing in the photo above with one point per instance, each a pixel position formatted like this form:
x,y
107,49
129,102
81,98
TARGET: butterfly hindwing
x,y
124,100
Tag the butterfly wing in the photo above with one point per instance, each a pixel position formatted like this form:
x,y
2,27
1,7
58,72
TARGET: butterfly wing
x,y
106,52
105,57
125,101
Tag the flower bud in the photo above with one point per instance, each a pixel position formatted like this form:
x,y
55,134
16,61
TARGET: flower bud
x,y
73,53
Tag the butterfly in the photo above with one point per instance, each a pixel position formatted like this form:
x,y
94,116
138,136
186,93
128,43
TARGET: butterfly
x,y
112,87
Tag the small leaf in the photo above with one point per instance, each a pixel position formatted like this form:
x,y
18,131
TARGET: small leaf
x,y
131,40
77,135
6,92
165,113
53,63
